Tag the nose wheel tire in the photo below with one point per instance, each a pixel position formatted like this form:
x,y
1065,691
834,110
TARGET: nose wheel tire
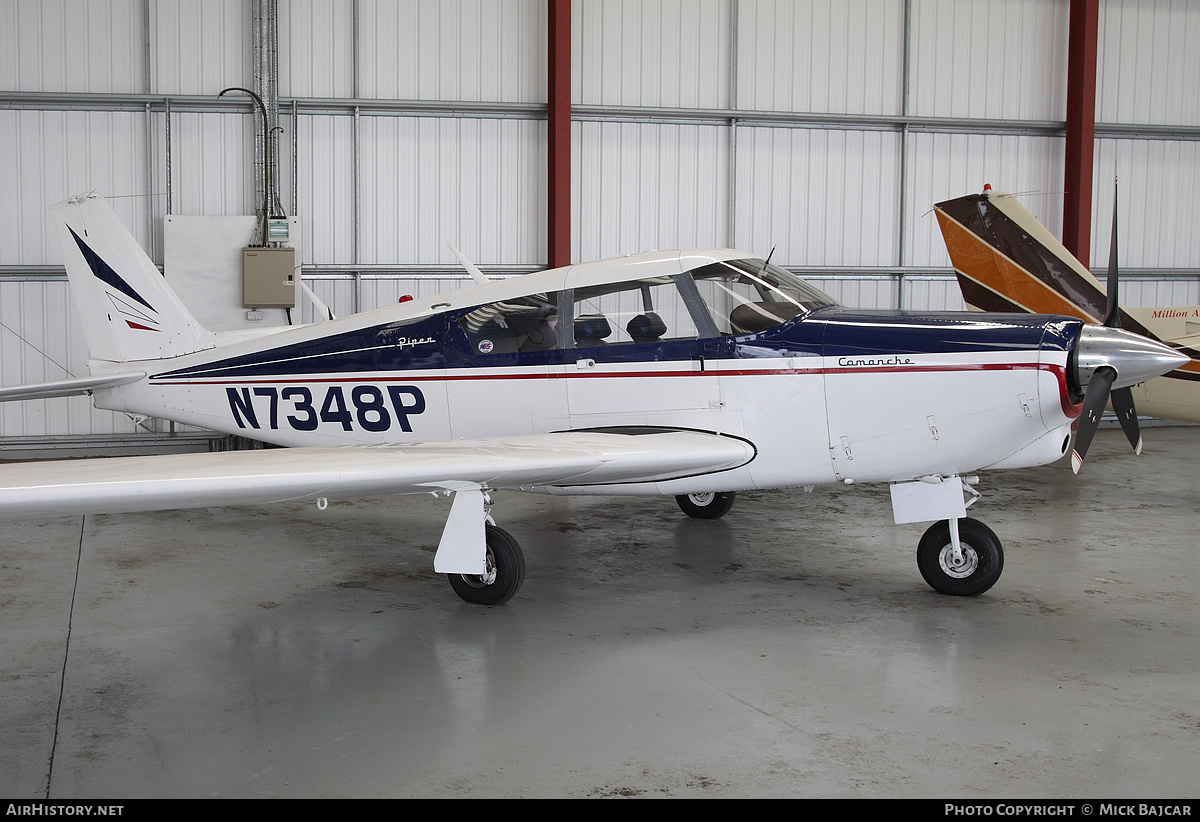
x,y
503,577
707,505
974,572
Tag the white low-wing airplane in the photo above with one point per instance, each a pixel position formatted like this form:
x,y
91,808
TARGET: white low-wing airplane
x,y
695,374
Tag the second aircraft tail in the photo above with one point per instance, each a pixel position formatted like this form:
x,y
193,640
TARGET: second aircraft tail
x,y
1006,260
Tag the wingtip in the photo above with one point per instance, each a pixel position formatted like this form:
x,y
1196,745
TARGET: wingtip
x,y
1137,449
1076,462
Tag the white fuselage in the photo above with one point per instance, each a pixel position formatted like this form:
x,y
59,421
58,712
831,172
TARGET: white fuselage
x,y
812,419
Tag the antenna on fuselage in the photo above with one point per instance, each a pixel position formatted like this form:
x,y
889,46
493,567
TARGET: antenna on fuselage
x,y
767,262
471,268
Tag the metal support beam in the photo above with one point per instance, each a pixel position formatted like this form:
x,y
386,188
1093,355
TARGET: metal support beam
x,y
1081,127
559,133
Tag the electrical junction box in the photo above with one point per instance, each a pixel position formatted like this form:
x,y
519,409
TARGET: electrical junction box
x,y
268,277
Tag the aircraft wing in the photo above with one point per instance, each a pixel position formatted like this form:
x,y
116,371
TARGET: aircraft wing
x,y
68,388
593,457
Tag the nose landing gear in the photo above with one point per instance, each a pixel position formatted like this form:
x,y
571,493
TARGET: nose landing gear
x,y
966,569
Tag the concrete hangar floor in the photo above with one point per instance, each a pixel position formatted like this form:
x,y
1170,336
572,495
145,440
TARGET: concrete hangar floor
x,y
788,650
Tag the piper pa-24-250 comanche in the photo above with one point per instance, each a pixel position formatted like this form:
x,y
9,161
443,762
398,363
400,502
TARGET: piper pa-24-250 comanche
x,y
695,374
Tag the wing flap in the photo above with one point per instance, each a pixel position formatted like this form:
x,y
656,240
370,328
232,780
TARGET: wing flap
x,y
112,485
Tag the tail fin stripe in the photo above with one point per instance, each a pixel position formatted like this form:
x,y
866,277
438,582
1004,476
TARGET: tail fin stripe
x,y
104,271
128,309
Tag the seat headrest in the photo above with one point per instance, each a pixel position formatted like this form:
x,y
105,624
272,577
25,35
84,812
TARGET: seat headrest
x,y
592,327
648,326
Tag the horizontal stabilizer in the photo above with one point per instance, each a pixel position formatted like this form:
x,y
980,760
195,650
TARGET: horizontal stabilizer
x,y
111,485
67,388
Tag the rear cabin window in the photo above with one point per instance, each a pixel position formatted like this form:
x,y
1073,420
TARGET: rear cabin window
x,y
635,312
527,323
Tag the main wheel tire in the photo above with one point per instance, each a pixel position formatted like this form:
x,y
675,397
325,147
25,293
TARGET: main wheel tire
x,y
505,571
707,505
982,558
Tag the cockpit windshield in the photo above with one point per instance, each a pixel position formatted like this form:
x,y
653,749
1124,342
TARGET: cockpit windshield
x,y
748,296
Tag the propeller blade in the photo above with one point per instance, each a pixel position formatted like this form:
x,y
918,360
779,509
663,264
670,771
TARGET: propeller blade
x,y
1094,400
1122,398
1112,313
1122,403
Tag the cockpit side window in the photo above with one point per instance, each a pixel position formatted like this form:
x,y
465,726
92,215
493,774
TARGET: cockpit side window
x,y
528,323
749,296
634,312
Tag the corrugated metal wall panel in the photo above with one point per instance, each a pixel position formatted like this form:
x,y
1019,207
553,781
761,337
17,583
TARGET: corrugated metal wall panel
x,y
40,341
821,55
479,184
316,48
326,188
1157,216
212,164
1148,62
51,155
989,59
943,166
638,186
856,291
818,197
933,295
673,53
1159,292
453,50
199,46
65,45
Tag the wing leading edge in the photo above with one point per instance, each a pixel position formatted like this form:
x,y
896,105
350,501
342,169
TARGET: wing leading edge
x,y
576,458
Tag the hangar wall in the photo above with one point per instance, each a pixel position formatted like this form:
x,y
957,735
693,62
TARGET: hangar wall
x,y
823,128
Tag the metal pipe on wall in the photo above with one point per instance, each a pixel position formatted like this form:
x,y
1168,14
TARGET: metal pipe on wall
x,y
733,123
265,69
167,135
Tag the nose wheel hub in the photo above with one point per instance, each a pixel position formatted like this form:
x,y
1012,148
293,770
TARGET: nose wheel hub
x,y
958,564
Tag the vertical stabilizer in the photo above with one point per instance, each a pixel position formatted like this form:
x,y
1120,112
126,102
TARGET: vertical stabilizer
x,y
1006,260
127,309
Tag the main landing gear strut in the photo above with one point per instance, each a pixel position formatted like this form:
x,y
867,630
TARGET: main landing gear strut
x,y
483,562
